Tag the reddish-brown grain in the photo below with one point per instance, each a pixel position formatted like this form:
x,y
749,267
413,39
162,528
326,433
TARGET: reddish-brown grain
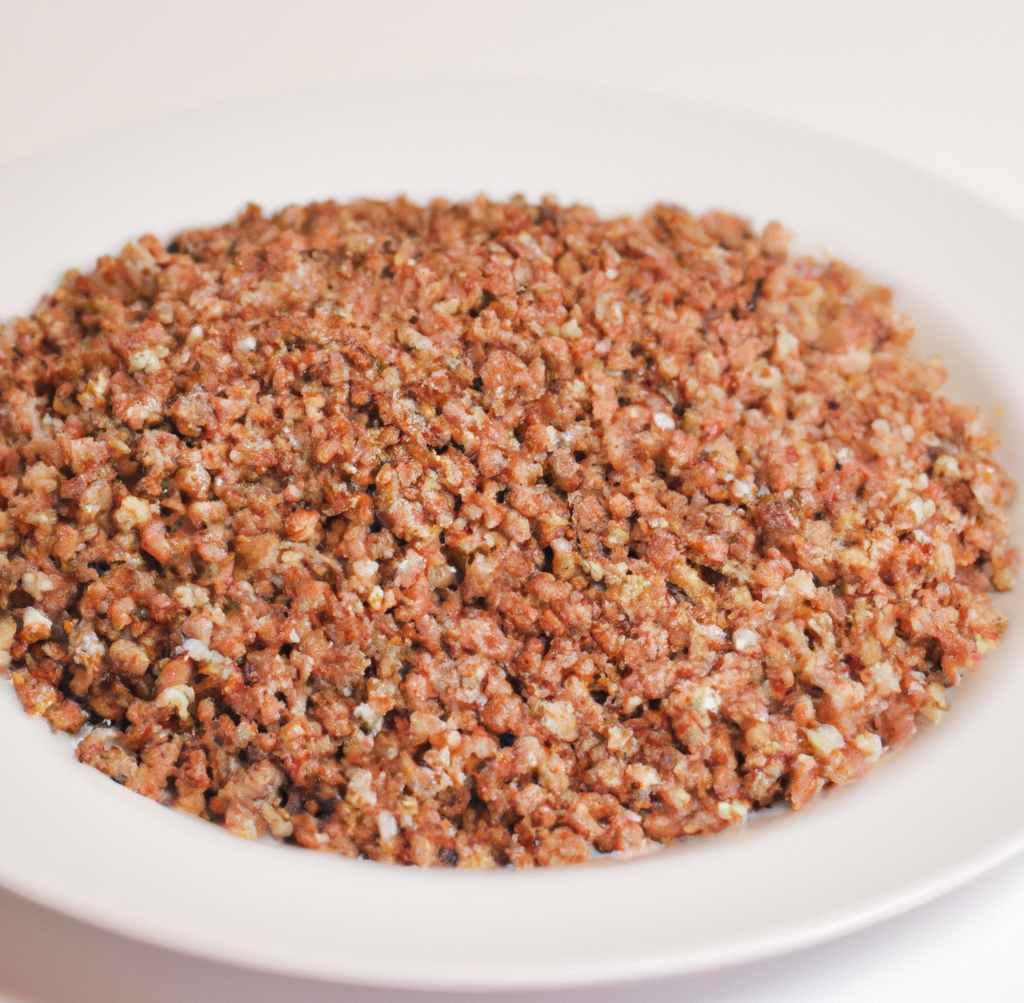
x,y
485,533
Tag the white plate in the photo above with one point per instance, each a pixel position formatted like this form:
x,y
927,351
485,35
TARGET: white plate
x,y
945,809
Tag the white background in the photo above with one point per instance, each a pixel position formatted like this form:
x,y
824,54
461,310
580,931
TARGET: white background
x,y
939,84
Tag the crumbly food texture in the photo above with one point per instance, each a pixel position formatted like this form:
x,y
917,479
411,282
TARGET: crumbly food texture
x,y
485,533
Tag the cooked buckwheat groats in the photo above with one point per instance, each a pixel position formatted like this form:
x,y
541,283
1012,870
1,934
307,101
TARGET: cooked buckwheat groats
x,y
485,533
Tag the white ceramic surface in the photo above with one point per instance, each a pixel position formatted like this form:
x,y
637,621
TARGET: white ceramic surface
x,y
948,807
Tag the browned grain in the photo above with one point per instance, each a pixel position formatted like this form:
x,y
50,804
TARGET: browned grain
x,y
485,533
